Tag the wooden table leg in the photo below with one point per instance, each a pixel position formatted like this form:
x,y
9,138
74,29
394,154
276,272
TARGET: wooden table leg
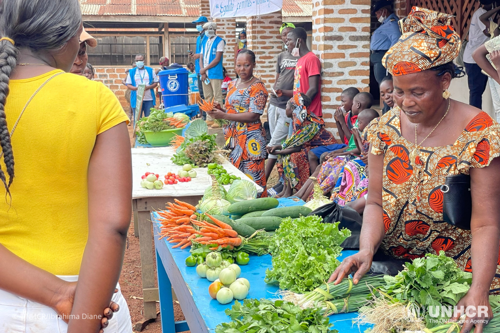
x,y
136,218
150,292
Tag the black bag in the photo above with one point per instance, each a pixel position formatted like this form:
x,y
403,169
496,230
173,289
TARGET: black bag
x,y
457,201
348,218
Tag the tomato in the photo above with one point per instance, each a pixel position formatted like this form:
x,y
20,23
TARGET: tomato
x,y
147,174
170,182
191,261
143,177
242,258
157,175
188,179
175,181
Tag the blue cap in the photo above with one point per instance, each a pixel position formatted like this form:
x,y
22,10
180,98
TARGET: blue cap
x,y
201,19
382,4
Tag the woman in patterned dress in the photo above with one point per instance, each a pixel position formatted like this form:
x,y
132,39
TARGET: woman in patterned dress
x,y
245,137
414,147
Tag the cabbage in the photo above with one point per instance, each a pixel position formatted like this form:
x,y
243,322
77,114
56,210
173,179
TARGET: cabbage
x,y
318,199
209,193
241,190
182,116
169,114
214,206
197,128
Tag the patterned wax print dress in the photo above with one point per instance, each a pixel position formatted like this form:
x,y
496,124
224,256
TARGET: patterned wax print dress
x,y
412,196
247,140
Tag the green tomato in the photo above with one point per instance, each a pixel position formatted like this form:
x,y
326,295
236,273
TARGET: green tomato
x,y
214,259
191,261
242,258
230,259
200,260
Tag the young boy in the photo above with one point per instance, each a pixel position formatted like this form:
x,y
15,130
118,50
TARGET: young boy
x,y
360,102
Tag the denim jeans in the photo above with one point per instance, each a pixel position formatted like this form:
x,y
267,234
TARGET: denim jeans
x,y
146,109
477,84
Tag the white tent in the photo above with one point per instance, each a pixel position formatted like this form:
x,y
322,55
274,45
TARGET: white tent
x,y
237,8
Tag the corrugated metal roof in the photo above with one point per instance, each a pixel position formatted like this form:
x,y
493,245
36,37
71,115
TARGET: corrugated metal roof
x,y
180,8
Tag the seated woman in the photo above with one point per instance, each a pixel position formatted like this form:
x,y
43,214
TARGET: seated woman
x,y
308,132
245,137
329,172
414,148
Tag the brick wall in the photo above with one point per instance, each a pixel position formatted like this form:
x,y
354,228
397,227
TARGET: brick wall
x,y
400,8
112,77
264,39
341,39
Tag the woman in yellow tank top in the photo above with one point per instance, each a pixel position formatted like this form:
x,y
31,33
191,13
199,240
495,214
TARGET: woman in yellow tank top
x,y
67,175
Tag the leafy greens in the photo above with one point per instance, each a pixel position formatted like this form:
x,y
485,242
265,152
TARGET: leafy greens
x,y
266,316
305,252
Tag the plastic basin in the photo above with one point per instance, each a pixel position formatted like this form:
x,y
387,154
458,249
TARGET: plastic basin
x,y
163,138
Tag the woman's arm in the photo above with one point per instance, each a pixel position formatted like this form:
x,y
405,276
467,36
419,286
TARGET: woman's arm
x,y
485,18
372,231
485,192
288,151
110,194
244,117
480,57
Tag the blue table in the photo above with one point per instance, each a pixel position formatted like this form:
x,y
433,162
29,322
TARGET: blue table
x,y
203,313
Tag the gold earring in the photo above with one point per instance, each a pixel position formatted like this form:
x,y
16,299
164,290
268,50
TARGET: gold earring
x,y
446,94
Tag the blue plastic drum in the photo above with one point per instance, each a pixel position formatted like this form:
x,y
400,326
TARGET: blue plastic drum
x,y
174,87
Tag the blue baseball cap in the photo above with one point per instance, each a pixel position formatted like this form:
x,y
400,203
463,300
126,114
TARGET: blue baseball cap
x,y
201,19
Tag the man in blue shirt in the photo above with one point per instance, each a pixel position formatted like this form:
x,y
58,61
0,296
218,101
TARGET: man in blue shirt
x,y
384,37
196,56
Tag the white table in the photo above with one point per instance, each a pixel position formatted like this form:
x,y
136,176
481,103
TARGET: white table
x,y
158,161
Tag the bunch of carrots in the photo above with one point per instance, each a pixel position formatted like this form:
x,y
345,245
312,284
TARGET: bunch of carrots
x,y
177,141
175,122
206,105
220,234
178,224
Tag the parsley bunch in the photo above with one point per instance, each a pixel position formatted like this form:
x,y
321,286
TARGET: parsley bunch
x,y
266,316
433,281
305,253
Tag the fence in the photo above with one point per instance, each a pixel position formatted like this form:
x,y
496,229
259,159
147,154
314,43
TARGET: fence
x,y
462,9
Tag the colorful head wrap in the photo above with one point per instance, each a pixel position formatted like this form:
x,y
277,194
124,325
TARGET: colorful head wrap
x,y
428,41
299,109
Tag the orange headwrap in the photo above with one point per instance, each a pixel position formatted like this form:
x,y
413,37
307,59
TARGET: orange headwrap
x,y
428,41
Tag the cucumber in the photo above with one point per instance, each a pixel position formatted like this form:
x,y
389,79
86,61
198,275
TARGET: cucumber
x,y
241,228
268,223
245,207
254,214
293,212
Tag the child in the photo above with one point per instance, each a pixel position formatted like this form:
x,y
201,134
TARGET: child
x,y
360,102
329,171
226,81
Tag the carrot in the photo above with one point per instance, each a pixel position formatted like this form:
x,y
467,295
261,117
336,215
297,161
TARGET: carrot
x,y
180,244
228,241
182,220
220,223
210,234
202,239
184,204
231,233
185,245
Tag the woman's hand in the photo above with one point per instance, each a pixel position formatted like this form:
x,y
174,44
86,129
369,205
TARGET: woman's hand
x,y
477,305
495,58
217,114
360,264
273,149
364,158
63,304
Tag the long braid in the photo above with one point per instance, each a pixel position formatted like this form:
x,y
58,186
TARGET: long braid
x,y
8,59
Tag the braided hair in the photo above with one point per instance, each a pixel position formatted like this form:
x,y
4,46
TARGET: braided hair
x,y
38,25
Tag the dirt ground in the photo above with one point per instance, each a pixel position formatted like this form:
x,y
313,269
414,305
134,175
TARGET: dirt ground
x,y
131,279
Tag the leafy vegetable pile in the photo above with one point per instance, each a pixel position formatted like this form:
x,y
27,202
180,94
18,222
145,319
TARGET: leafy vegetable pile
x,y
414,299
266,316
305,253
430,281
197,150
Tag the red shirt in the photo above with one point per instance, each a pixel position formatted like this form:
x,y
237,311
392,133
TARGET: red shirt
x,y
308,65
